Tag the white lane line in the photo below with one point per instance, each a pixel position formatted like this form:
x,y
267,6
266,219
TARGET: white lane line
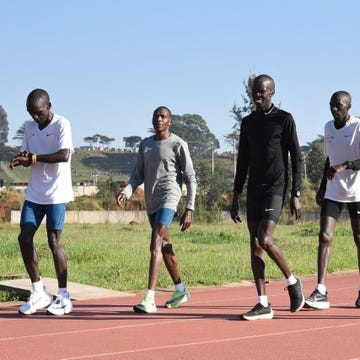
x,y
208,342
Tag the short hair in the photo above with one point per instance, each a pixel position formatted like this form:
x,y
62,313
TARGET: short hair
x,y
36,95
342,93
266,77
164,108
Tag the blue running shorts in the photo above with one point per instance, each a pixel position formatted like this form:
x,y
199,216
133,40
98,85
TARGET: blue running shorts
x,y
163,216
33,214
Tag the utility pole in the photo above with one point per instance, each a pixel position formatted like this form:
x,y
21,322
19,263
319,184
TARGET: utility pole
x,y
212,162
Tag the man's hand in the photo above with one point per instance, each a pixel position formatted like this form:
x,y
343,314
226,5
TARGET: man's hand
x,y
24,158
234,211
295,207
319,197
120,198
186,220
335,169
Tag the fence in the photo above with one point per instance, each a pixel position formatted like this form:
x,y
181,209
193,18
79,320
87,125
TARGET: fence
x,y
96,217
140,216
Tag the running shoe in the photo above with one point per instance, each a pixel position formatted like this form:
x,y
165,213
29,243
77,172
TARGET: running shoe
x,y
178,297
61,305
296,293
146,306
318,301
357,302
36,301
258,312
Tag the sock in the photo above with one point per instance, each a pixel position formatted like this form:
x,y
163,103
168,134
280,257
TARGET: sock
x,y
291,280
263,300
150,293
63,291
37,286
180,287
321,288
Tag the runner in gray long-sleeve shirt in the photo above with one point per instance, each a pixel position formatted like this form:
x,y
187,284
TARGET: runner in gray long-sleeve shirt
x,y
163,164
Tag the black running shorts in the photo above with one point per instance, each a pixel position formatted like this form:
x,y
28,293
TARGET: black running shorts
x,y
267,207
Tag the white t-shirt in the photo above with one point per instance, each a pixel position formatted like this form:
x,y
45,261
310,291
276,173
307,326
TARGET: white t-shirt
x,y
49,183
341,145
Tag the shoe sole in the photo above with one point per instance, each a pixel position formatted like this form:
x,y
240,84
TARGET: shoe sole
x,y
177,303
303,298
268,316
143,311
317,305
66,311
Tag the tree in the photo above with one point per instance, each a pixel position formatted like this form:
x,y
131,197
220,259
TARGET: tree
x,y
238,112
315,160
105,140
90,140
20,132
212,187
4,127
193,129
132,142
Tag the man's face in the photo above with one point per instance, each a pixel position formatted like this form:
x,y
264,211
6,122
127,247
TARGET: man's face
x,y
339,107
39,110
262,93
161,120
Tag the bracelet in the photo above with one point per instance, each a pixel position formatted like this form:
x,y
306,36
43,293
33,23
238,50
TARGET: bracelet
x,y
33,159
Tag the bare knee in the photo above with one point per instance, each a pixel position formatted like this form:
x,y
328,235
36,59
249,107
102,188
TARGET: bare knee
x,y
325,238
54,241
266,242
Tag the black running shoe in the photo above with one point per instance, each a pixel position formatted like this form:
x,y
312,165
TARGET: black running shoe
x,y
357,302
296,293
258,312
318,301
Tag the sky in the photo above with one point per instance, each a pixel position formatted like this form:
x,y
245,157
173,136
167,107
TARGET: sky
x,y
108,64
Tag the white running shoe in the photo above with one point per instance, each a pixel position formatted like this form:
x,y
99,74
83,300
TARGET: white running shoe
x,y
35,302
61,305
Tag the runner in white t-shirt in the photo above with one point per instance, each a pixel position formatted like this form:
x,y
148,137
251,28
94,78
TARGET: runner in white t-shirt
x,y
47,148
340,185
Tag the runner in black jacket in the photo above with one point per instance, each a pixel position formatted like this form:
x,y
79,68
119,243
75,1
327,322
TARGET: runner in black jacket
x,y
267,136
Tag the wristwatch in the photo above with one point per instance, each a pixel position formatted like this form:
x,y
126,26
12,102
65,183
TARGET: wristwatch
x,y
349,165
296,193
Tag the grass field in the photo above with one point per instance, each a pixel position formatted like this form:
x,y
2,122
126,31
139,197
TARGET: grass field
x,y
117,256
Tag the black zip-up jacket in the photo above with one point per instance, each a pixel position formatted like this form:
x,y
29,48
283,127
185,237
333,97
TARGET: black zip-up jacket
x,y
266,140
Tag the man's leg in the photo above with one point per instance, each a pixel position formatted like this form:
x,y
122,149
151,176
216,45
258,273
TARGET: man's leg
x,y
355,225
170,259
55,219
294,284
28,251
157,236
59,256
326,234
265,238
262,310
257,260
31,217
318,298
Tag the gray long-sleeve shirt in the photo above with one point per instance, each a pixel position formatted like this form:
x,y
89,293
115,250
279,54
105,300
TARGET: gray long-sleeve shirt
x,y
163,166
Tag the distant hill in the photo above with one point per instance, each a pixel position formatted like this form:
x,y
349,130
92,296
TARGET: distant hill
x,y
87,166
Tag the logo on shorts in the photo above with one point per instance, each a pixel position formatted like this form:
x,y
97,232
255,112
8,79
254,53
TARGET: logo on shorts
x,y
267,210
358,212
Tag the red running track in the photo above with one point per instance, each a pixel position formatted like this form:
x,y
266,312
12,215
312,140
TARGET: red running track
x,y
207,327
